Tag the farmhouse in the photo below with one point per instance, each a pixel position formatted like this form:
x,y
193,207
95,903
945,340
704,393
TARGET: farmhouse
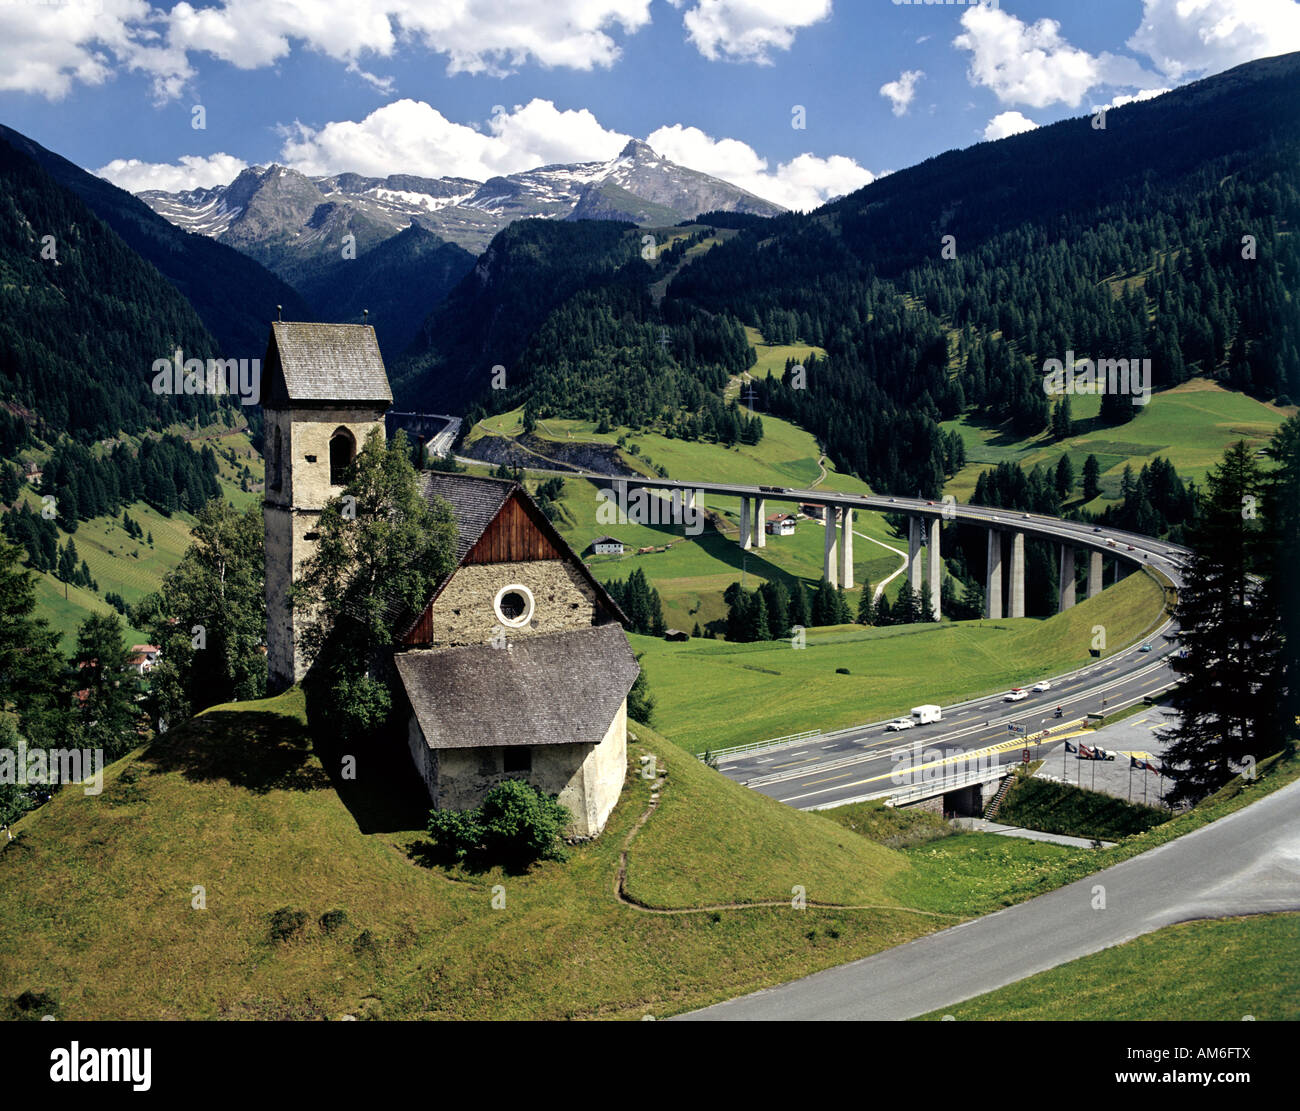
x,y
517,666
143,657
780,524
605,545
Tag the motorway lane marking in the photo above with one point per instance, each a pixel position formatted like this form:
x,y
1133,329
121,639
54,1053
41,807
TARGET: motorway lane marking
x,y
1109,687
965,756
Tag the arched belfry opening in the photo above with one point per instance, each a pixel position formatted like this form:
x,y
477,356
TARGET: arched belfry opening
x,y
343,450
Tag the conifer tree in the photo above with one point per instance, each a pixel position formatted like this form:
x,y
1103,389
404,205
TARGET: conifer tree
x,y
1229,637
866,606
1091,478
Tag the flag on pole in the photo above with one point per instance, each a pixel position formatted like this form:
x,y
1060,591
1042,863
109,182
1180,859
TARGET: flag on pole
x,y
1134,762
1152,768
1086,752
1069,747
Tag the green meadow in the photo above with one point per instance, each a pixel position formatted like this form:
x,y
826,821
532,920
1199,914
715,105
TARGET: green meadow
x,y
133,568
712,694
1191,424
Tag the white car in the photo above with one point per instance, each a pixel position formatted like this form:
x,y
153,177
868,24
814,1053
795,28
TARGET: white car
x,y
897,724
1015,695
1040,687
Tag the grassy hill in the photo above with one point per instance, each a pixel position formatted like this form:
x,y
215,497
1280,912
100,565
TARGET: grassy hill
x,y
101,889
237,811
1191,425
712,694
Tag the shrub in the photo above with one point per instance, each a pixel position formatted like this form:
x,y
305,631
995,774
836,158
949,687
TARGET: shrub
x,y
287,923
33,1005
516,825
333,920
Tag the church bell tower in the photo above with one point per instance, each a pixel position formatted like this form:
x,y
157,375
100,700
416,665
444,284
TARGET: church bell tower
x,y
323,389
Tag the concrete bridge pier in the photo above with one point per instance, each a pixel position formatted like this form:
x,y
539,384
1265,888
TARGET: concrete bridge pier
x,y
746,532
914,554
993,578
1066,578
1094,573
675,502
846,548
760,523
936,567
828,562
1017,574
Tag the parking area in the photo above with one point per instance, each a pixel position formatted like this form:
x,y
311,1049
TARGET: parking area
x,y
1140,735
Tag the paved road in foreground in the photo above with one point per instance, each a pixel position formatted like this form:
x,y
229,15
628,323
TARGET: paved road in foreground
x,y
1246,863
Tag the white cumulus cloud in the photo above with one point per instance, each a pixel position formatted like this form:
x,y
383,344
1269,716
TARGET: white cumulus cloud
x,y
1008,123
1125,98
48,47
901,92
1194,37
805,182
1033,64
191,171
410,136
748,30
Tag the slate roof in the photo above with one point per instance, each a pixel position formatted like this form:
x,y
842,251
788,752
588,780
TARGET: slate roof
x,y
561,688
476,502
337,363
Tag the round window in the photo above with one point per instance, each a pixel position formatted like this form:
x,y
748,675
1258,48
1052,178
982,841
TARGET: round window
x,y
514,606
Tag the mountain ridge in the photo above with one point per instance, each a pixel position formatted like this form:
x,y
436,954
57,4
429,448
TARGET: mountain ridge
x,y
283,217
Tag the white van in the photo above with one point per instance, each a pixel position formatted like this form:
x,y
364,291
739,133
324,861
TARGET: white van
x,y
923,715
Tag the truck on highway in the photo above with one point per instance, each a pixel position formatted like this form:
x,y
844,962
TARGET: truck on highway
x,y
923,715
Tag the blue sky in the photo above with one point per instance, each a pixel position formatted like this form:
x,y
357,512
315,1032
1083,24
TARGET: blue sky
x,y
384,86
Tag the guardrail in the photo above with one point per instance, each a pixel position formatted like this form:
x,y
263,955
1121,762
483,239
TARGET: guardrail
x,y
755,746
901,797
896,796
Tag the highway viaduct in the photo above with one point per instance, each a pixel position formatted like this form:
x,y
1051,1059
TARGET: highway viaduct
x,y
850,764
1006,530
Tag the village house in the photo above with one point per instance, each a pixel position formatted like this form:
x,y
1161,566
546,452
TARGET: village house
x,y
780,524
517,666
605,545
143,657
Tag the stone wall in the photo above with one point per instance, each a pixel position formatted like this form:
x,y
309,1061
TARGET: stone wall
x,y
463,613
588,779
291,515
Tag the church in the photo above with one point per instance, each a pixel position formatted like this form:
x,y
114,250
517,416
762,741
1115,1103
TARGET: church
x,y
517,666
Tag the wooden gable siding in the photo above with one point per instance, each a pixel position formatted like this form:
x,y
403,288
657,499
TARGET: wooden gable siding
x,y
513,537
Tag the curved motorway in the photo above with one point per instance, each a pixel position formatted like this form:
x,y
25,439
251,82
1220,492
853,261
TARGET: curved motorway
x,y
846,765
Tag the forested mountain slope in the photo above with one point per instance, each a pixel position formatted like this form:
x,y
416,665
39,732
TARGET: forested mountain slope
x,y
1125,241
234,295
82,317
